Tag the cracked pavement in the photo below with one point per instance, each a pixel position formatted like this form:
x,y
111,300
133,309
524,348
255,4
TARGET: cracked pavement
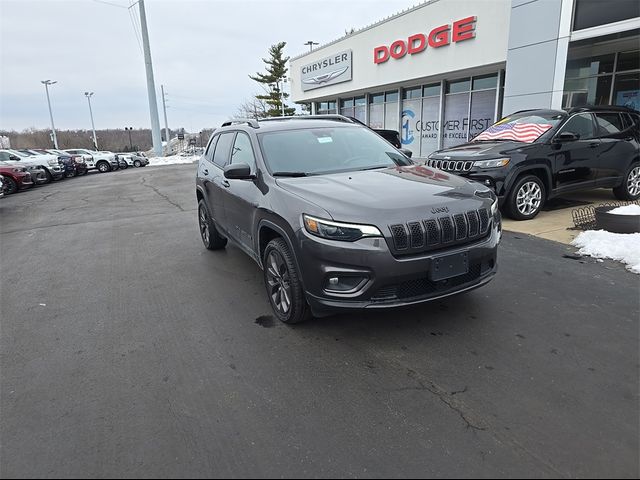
x,y
128,350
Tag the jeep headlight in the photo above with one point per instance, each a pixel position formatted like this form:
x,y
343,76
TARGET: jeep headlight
x,y
493,163
331,230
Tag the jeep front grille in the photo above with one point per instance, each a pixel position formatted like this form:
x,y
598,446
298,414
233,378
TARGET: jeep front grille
x,y
454,166
440,232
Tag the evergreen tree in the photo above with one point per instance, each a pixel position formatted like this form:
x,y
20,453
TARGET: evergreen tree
x,y
273,80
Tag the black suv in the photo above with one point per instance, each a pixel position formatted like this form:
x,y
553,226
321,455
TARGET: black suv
x,y
338,218
534,155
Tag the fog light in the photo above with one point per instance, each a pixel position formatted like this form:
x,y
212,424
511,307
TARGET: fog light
x,y
344,283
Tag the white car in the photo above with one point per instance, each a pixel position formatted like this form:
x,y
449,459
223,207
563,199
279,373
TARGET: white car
x,y
132,159
43,168
102,161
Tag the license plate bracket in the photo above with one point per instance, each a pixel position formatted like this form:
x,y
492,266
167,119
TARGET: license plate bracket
x,y
449,266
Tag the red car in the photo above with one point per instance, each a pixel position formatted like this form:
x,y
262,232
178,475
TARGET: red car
x,y
15,178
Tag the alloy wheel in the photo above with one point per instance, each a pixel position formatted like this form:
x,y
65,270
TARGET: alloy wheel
x,y
633,181
529,198
279,283
203,220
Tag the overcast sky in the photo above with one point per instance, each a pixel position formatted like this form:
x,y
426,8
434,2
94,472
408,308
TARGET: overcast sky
x,y
202,52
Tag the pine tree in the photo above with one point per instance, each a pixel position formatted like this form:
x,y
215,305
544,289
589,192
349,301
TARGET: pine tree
x,y
273,81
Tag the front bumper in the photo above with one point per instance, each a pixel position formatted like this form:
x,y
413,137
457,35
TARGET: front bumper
x,y
390,281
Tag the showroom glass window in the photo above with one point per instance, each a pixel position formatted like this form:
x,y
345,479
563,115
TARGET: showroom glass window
x,y
420,127
354,107
610,79
593,13
326,108
383,110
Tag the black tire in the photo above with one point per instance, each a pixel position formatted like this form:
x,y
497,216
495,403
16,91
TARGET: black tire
x,y
630,188
282,281
71,174
103,167
526,198
208,232
48,175
137,163
10,186
124,165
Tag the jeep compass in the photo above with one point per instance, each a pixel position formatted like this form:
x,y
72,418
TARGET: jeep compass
x,y
339,219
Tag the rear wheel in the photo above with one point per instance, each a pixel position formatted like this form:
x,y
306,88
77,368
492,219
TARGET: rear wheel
x,y
283,284
10,186
630,188
526,198
208,232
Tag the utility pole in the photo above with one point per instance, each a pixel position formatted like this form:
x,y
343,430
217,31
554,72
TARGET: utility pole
x,y
53,127
95,142
311,43
166,124
151,87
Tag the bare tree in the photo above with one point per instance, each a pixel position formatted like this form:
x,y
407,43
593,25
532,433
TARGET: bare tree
x,y
253,108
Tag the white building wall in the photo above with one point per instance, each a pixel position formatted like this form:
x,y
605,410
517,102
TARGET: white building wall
x,y
489,47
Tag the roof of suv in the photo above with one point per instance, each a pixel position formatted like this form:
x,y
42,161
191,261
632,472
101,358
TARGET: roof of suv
x,y
291,123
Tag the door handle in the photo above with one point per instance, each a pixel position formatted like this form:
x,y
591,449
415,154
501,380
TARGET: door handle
x,y
594,144
205,171
225,184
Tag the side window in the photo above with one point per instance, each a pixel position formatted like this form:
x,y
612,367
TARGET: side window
x,y
223,148
243,152
581,124
211,148
609,124
4,156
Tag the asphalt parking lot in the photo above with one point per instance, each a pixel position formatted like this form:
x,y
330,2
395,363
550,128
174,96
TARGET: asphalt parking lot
x,y
127,349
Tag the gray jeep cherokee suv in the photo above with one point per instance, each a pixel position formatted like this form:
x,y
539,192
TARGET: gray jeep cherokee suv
x,y
338,218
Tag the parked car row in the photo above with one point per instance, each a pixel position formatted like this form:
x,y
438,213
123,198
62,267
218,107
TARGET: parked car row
x,y
24,168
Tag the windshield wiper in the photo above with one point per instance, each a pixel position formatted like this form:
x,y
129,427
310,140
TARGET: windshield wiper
x,y
290,174
375,167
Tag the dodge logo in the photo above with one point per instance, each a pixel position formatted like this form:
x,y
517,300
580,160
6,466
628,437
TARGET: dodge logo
x,y
326,77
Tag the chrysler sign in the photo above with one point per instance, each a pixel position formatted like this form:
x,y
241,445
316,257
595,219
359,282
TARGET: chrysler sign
x,y
326,71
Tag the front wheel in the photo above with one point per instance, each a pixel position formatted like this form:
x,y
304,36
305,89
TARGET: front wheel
x,y
10,186
283,284
103,167
137,163
630,188
526,198
208,232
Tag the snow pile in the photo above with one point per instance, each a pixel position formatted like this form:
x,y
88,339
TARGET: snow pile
x,y
626,210
624,247
172,160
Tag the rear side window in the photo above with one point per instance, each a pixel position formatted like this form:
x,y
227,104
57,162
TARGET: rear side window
x,y
631,120
223,148
243,152
581,125
211,148
609,124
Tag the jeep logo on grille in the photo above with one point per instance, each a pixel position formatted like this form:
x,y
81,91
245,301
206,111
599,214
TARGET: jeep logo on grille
x,y
436,210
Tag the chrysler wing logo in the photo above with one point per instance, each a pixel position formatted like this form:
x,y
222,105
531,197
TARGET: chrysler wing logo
x,y
325,77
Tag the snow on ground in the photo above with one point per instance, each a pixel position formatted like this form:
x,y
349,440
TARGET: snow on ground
x,y
172,160
624,247
626,210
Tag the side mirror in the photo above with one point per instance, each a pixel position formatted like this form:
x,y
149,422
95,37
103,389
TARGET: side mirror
x,y
238,171
406,151
565,137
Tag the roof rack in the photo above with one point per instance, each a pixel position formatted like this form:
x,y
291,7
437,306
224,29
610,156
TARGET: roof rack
x,y
334,117
252,122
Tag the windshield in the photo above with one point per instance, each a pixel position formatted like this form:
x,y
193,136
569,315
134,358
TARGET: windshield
x,y
315,151
524,127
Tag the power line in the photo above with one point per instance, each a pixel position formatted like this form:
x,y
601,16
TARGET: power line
x,y
134,23
109,3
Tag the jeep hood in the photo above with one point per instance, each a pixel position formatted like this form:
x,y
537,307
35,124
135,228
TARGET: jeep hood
x,y
389,195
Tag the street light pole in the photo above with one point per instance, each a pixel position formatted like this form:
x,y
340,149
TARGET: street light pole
x,y
130,144
151,87
93,128
311,43
53,127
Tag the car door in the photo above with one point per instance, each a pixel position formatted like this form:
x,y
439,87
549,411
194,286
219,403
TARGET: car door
x,y
576,162
242,196
213,175
617,148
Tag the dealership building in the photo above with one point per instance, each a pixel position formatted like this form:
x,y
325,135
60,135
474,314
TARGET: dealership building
x,y
443,71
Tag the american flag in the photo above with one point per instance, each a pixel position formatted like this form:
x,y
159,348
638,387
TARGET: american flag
x,y
520,132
